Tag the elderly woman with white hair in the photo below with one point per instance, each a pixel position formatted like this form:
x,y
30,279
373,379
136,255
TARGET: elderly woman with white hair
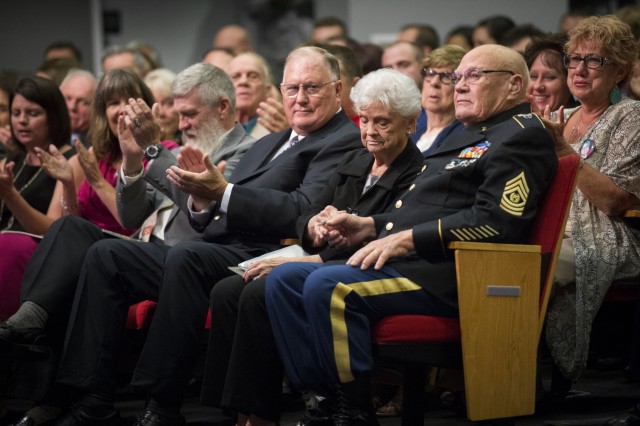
x,y
243,371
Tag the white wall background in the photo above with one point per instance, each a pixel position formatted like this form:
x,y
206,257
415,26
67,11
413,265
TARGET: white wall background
x,y
182,30
368,17
28,26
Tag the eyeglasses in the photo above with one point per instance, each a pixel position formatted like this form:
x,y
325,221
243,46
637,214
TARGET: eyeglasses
x,y
472,75
291,90
593,62
429,74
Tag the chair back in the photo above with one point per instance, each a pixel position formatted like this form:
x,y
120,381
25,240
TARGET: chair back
x,y
548,228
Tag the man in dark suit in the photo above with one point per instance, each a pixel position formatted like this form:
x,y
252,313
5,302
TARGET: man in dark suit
x,y
239,219
484,184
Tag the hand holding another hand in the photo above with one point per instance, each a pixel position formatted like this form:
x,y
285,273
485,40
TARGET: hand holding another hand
x,y
347,230
316,230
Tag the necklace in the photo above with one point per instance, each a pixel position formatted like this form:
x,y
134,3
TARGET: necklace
x,y
25,186
575,134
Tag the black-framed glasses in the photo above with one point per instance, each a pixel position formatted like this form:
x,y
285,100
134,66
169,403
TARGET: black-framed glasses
x,y
472,75
593,62
291,90
429,74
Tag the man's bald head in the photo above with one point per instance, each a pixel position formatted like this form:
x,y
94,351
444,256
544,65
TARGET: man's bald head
x,y
506,58
481,95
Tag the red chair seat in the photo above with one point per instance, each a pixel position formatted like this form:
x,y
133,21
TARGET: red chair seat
x,y
415,328
141,314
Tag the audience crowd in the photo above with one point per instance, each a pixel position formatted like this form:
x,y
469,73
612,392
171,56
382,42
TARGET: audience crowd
x,y
346,180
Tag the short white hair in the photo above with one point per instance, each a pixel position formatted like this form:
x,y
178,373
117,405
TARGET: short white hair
x,y
396,91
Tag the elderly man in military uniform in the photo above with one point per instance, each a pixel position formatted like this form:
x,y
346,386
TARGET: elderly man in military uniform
x,y
483,184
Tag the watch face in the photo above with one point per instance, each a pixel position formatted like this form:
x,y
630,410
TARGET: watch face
x,y
152,151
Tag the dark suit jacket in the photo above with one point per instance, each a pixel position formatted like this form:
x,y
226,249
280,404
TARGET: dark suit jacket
x,y
344,190
268,196
484,184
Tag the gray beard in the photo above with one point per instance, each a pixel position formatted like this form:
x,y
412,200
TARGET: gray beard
x,y
209,137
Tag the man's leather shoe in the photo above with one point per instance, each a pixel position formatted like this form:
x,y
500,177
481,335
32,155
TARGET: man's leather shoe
x,y
25,421
630,418
151,418
13,335
78,417
29,421
23,342
318,410
19,421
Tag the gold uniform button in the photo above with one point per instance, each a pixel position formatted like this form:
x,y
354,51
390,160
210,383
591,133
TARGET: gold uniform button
x,y
398,204
389,226
413,185
424,167
216,217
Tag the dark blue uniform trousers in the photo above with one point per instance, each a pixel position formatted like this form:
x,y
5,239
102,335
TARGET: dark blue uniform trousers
x,y
321,317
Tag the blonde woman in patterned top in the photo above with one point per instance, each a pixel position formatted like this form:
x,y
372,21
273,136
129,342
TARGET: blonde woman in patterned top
x,y
599,246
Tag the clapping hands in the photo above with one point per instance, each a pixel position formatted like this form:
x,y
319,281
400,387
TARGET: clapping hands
x,y
6,179
554,122
272,116
89,164
55,164
197,176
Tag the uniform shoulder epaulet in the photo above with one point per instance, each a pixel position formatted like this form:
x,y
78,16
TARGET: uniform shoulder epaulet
x,y
528,120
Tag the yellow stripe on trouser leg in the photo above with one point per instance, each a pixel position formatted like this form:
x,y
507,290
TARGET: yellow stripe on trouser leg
x,y
339,325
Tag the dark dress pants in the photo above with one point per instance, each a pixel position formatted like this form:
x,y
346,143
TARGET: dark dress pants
x,y
243,369
118,273
52,273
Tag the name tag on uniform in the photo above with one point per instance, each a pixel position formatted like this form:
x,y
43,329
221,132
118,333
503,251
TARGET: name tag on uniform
x,y
458,163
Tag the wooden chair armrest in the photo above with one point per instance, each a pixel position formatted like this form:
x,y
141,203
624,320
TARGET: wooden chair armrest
x,y
519,248
498,293
632,213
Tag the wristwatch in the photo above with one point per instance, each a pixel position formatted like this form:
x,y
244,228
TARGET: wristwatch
x,y
153,151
